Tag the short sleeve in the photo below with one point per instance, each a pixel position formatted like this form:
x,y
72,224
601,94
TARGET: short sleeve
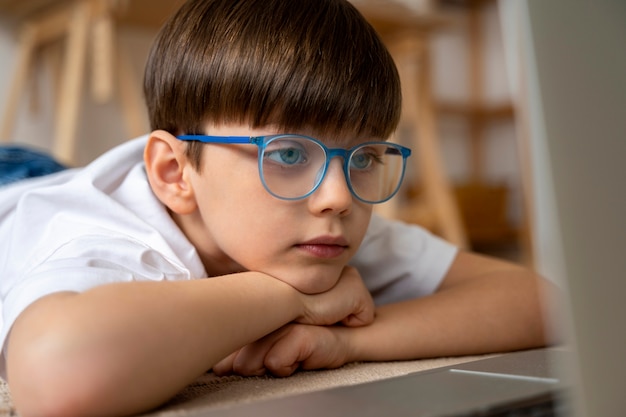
x,y
399,261
82,264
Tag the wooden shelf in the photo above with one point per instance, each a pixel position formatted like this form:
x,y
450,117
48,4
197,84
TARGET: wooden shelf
x,y
21,8
407,35
488,112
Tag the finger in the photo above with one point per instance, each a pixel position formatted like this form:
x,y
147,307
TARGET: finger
x,y
363,317
288,352
250,359
225,366
308,349
348,298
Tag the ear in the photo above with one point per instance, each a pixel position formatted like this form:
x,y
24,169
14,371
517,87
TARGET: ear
x,y
167,168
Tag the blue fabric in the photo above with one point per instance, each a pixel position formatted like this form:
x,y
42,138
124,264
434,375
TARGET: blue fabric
x,y
19,162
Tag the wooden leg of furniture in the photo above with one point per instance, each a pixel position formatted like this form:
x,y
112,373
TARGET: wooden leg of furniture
x,y
71,83
73,26
102,52
131,99
437,210
25,50
436,185
476,90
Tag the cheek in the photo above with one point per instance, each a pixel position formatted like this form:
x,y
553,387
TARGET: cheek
x,y
237,211
361,216
232,191
245,225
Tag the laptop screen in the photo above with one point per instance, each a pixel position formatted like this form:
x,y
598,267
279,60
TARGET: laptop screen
x,y
575,71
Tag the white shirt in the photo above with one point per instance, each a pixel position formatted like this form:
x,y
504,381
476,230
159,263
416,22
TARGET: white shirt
x,y
100,224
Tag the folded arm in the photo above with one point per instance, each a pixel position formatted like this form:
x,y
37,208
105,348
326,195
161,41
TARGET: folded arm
x,y
483,305
123,348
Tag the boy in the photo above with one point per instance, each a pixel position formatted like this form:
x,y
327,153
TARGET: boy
x,y
267,153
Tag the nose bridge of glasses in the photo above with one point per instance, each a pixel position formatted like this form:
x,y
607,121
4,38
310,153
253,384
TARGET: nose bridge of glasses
x,y
334,176
332,153
338,153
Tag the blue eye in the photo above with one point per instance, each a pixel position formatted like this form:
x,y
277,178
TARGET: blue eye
x,y
289,153
364,159
360,161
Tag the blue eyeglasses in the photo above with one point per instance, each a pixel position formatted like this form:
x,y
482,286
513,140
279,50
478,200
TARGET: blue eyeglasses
x,y
292,167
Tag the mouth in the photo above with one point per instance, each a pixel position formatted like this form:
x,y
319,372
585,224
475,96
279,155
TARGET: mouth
x,y
325,247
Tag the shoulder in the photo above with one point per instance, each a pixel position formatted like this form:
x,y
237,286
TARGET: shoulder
x,y
399,260
399,237
109,198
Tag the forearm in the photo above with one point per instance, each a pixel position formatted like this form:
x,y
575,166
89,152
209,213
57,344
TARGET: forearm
x,y
138,343
488,314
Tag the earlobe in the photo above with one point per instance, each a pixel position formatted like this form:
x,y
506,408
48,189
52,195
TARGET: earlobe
x,y
167,170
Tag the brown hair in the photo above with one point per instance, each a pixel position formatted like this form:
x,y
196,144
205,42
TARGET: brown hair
x,y
294,64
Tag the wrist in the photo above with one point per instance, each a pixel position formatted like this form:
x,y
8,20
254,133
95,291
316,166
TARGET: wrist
x,y
350,339
284,294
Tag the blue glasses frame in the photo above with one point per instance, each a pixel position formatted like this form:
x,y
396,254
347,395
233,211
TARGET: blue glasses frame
x,y
262,141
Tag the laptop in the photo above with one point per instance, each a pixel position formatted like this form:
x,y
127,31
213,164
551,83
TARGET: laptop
x,y
575,73
525,382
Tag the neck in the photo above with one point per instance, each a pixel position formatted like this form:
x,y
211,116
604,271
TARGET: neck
x,y
215,261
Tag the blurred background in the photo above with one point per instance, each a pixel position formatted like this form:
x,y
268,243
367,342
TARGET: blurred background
x,y
71,74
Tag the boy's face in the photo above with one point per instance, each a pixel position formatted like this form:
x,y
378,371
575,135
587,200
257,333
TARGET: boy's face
x,y
305,243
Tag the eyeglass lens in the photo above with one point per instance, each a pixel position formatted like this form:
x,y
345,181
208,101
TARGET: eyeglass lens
x,y
292,167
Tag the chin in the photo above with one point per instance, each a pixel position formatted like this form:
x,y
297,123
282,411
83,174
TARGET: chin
x,y
318,281
307,279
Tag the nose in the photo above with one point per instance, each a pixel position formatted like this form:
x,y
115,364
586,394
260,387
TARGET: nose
x,y
333,195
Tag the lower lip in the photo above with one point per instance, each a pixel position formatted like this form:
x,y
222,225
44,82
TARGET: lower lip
x,y
323,251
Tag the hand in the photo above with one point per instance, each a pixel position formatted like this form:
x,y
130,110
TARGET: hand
x,y
287,349
348,302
